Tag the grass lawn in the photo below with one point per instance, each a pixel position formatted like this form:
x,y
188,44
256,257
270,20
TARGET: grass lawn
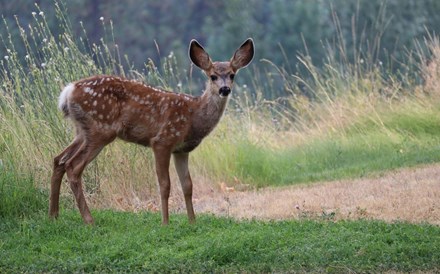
x,y
137,242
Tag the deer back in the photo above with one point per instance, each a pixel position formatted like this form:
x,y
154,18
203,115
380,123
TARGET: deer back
x,y
130,110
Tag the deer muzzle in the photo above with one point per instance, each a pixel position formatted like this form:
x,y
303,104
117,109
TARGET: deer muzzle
x,y
224,91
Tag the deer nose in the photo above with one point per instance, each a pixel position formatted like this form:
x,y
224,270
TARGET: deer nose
x,y
224,91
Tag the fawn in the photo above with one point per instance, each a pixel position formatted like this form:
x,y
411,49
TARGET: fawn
x,y
103,108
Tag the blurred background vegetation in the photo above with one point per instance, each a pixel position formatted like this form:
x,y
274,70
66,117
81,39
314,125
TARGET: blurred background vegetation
x,y
375,31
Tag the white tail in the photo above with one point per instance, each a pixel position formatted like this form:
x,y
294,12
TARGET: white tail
x,y
106,107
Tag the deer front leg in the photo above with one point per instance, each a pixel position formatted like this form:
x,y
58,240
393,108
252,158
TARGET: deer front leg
x,y
162,156
181,163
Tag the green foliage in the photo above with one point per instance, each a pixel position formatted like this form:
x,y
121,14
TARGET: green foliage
x,y
137,243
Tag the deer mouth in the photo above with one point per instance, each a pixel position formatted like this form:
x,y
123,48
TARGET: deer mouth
x,y
224,91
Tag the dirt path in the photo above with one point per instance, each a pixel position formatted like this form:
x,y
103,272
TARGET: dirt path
x,y
411,195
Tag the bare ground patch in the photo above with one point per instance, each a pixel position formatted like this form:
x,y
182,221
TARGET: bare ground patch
x,y
411,195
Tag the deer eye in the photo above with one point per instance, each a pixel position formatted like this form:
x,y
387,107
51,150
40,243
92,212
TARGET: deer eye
x,y
214,77
231,76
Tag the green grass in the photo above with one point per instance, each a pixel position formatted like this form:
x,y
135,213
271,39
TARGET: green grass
x,y
327,160
18,196
403,137
137,243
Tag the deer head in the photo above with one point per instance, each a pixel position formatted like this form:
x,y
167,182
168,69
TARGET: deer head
x,y
221,74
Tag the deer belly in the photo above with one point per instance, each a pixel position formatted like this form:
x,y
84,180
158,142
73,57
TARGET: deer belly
x,y
137,134
187,146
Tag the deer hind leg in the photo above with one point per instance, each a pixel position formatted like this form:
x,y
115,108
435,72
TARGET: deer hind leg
x,y
58,172
162,156
74,169
181,164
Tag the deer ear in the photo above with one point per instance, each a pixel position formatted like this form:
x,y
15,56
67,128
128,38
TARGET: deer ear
x,y
198,55
243,55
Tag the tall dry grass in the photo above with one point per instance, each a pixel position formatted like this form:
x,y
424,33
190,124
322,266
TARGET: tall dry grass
x,y
33,131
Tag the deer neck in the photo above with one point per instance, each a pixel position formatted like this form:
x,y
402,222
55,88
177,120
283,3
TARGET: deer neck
x,y
208,112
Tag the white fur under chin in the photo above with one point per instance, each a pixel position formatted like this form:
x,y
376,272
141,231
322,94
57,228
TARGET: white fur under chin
x,y
65,94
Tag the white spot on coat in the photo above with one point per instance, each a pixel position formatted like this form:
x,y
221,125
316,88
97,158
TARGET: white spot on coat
x,y
88,90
